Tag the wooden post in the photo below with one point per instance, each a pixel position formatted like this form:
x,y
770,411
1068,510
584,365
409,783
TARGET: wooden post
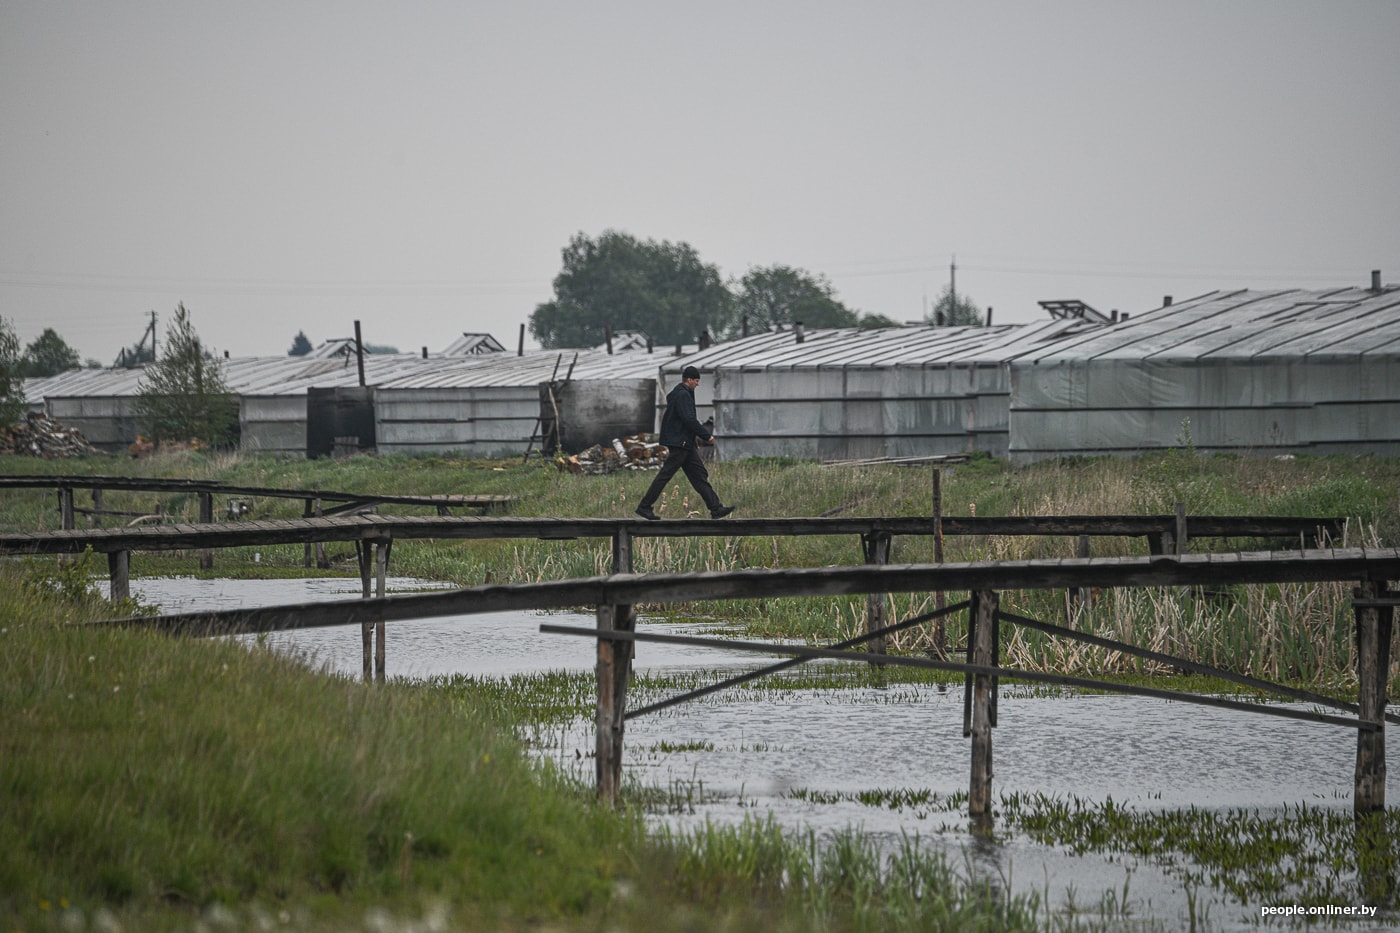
x,y
364,558
1180,528
65,508
119,574
322,561
306,548
876,546
609,724
982,651
1083,596
1373,630
381,569
614,669
940,629
206,515
95,520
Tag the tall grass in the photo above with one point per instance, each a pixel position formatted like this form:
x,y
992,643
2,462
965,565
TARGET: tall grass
x,y
152,783
141,769
1294,632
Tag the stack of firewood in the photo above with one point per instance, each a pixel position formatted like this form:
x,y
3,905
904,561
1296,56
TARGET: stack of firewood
x,y
41,436
638,452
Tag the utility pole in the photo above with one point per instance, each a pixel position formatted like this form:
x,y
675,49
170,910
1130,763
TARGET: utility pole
x,y
153,335
952,288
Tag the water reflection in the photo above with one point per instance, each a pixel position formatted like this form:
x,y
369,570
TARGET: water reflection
x,y
495,644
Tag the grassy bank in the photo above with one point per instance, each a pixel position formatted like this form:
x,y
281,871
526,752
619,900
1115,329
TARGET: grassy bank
x,y
160,784
154,784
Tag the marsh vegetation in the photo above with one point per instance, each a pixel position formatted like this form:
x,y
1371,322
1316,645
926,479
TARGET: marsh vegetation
x,y
156,784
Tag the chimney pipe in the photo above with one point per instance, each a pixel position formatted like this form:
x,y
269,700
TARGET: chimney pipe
x,y
704,340
1375,280
425,353
607,332
1113,316
360,354
989,315
799,330
521,350
1166,301
745,325
651,347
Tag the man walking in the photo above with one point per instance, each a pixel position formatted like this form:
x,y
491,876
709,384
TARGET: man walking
x,y
681,433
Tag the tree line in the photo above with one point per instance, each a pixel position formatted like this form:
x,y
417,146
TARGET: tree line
x,y
182,396
616,282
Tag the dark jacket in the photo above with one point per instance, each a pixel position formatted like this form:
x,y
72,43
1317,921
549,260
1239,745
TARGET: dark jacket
x,y
679,424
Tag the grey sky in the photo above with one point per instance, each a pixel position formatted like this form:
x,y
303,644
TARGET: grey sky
x,y
285,166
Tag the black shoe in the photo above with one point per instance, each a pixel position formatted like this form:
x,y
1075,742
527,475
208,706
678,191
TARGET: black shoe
x,y
721,511
648,514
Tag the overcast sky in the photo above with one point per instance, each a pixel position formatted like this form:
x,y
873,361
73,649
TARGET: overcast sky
x,y
418,166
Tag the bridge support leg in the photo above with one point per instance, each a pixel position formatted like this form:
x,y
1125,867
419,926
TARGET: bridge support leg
x,y
206,515
982,650
381,570
1082,597
940,629
65,507
119,574
306,512
363,556
322,561
876,546
614,669
1373,630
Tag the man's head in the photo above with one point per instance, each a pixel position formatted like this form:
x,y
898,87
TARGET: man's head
x,y
691,376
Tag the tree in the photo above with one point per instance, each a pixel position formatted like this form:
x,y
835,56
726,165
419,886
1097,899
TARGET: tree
x,y
954,310
300,345
660,288
12,401
782,294
872,321
48,355
183,396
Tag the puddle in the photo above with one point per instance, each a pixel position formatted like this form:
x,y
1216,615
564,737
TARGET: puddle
x,y
495,644
761,748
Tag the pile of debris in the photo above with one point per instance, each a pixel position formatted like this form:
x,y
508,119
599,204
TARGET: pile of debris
x,y
638,452
41,436
143,446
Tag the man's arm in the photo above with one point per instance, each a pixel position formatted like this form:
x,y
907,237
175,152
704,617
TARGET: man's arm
x,y
685,410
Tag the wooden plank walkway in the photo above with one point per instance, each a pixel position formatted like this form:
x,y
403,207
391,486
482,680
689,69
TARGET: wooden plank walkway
x,y
207,489
382,527
1371,564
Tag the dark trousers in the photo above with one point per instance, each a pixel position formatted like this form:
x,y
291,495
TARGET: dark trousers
x,y
687,459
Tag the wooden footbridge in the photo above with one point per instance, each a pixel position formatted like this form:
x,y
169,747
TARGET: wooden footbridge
x,y
614,597
317,502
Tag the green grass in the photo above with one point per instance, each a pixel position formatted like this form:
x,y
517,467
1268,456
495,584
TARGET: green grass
x,y
154,783
161,784
1296,633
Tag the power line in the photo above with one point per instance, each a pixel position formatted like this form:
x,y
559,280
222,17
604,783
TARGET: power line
x,y
97,282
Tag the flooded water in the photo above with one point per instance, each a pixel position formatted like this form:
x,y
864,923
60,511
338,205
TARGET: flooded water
x,y
753,753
